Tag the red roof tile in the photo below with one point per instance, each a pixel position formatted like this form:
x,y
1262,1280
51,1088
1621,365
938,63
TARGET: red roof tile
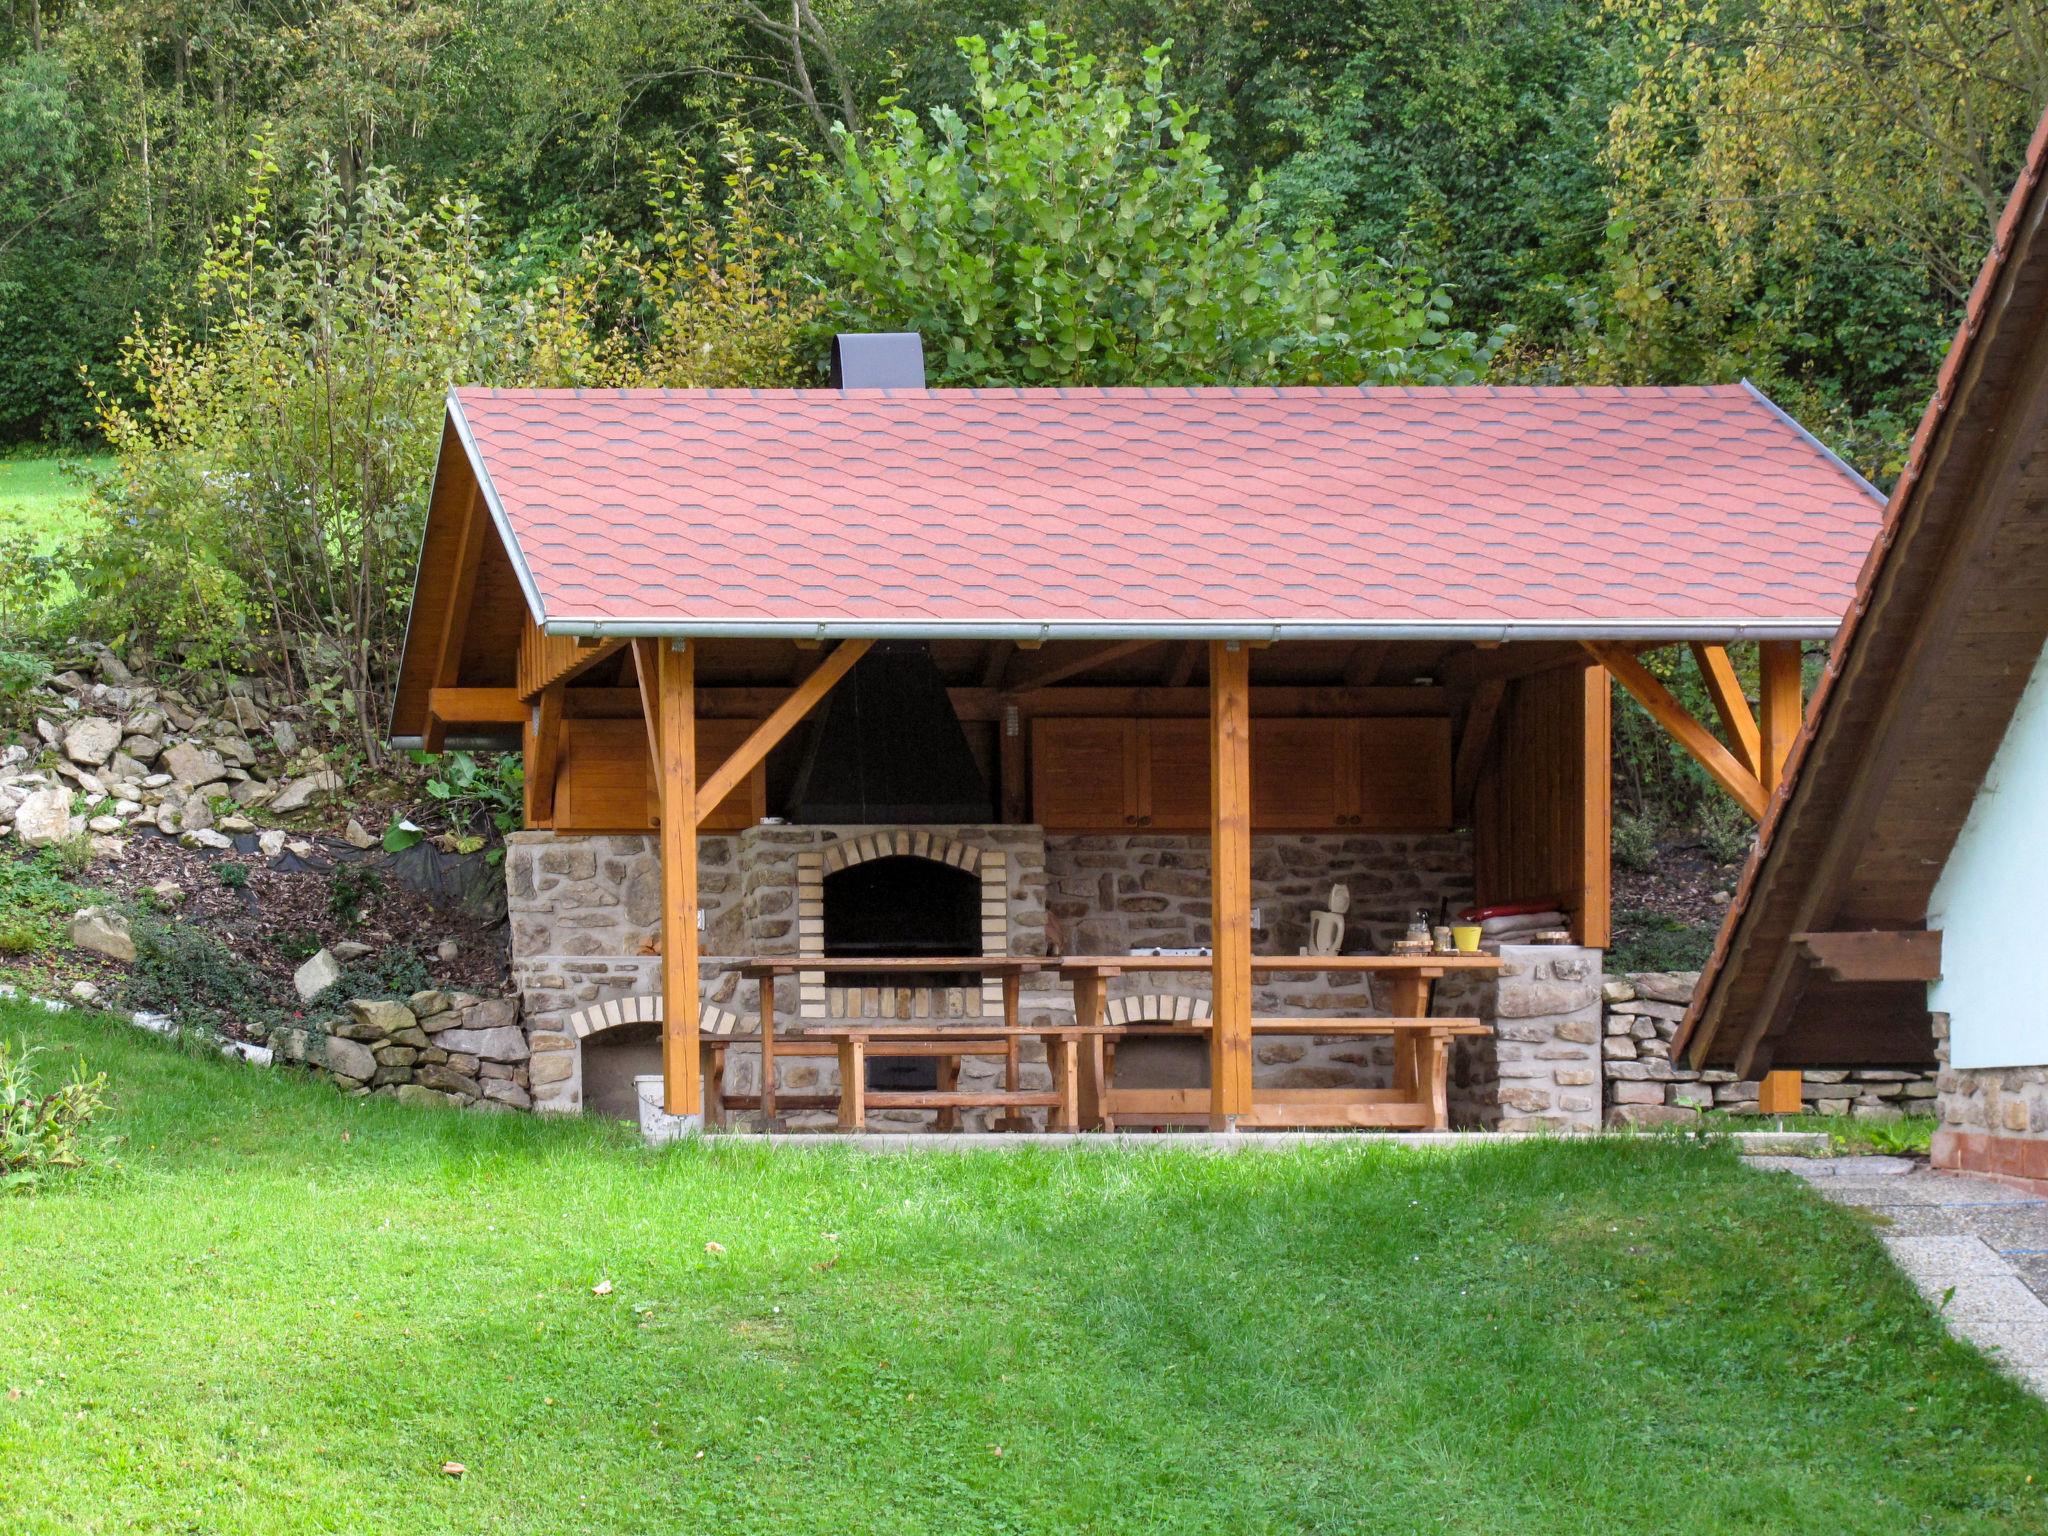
x,y
1631,512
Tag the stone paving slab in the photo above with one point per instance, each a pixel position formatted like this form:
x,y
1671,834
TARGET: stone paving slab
x,y
1980,1298
1977,1250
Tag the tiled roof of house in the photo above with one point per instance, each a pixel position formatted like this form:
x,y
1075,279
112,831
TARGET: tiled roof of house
x,y
1632,513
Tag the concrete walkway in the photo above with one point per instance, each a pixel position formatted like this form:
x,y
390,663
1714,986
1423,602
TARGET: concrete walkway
x,y
1981,1244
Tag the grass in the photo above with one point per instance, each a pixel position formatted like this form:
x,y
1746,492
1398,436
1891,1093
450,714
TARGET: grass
x,y
286,1310
1905,1135
39,494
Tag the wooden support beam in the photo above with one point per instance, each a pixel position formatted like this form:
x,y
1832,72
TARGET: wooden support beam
x,y
1185,660
1643,686
1874,955
1737,723
1473,741
455,624
1365,663
802,699
1781,701
476,706
1230,884
647,671
543,755
999,654
1058,667
676,757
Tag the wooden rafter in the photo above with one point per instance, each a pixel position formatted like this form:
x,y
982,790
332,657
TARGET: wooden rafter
x,y
1473,741
548,659
1185,660
802,699
1057,668
1643,686
1739,725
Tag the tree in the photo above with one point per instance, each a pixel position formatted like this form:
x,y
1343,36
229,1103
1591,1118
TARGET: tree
x,y
1071,227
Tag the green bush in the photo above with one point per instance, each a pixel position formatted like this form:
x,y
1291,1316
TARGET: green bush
x,y
37,893
44,1132
193,976
1650,941
1070,227
1635,842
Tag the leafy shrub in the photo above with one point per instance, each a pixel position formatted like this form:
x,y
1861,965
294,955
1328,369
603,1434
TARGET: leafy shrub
x,y
42,1133
1650,941
268,472
1635,842
190,974
469,792
232,875
1071,227
36,893
1726,832
397,971
348,887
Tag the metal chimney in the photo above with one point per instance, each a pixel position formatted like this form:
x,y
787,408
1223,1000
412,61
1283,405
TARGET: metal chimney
x,y
878,360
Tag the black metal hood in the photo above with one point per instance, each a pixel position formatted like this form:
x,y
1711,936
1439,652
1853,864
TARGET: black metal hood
x,y
887,748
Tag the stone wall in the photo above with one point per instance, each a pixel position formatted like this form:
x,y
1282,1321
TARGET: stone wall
x,y
1541,1068
1646,1087
434,1048
1994,1120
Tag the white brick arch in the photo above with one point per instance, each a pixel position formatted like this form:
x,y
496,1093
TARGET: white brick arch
x,y
1156,1007
645,1008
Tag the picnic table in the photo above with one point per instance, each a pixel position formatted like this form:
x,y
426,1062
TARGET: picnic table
x,y
1008,970
1063,1051
1419,1098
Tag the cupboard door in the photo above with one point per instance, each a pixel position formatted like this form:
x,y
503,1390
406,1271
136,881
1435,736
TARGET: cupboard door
x,y
1402,775
1294,774
1084,774
1176,777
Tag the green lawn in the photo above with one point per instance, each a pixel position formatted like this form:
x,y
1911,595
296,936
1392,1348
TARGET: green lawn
x,y
286,1310
38,494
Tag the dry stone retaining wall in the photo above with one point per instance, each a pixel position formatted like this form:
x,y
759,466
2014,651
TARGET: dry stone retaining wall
x,y
1645,1086
434,1048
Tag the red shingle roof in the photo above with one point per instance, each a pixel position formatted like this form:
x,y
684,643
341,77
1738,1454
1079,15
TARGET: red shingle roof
x,y
1628,512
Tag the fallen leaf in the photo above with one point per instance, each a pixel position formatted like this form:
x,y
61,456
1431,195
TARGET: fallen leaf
x,y
453,1468
828,1264
714,1249
602,1288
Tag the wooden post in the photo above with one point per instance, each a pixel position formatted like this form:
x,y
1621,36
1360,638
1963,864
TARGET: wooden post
x,y
1778,1093
682,1084
1230,858
1782,706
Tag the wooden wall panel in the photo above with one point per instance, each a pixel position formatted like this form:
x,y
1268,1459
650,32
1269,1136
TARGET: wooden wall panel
x,y
606,782
1540,812
1377,774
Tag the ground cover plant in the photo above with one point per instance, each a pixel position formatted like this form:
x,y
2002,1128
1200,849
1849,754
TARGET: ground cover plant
x,y
289,1311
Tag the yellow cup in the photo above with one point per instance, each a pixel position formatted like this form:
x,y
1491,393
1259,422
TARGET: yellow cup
x,y
1466,937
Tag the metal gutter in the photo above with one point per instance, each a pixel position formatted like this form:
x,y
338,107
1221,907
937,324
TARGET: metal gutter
x,y
1654,632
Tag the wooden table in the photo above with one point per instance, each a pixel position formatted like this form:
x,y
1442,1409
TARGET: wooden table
x,y
1418,1099
1063,1051
1010,970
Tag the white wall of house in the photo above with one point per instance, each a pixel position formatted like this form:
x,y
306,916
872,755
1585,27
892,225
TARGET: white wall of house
x,y
1989,904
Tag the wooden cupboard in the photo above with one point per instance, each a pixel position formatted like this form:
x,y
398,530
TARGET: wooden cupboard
x,y
1383,774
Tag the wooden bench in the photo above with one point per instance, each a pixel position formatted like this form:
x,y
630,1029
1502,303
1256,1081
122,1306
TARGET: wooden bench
x,y
1063,1050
